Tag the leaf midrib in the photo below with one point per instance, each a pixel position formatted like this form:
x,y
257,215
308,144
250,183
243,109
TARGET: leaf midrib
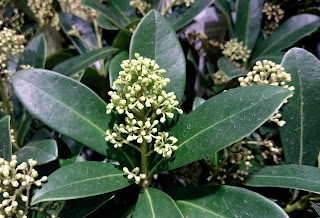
x,y
199,207
150,202
283,177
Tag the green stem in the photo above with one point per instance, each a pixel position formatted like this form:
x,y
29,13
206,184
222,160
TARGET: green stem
x,y
98,33
299,205
144,160
168,7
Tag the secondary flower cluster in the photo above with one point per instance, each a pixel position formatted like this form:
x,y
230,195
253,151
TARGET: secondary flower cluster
x,y
274,14
236,51
268,73
68,6
141,5
15,180
134,174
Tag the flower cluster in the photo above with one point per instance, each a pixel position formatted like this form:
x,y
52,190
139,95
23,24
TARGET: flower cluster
x,y
141,5
134,174
268,73
75,7
274,14
236,51
186,2
219,78
15,183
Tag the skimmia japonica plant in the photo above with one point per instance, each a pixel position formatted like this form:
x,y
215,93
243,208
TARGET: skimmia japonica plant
x,y
120,108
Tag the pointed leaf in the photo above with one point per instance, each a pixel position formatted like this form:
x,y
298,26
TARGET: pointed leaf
x,y
5,140
224,6
104,23
114,67
229,69
275,57
80,180
294,176
34,53
287,34
183,15
43,151
224,201
197,102
229,117
151,203
300,134
249,16
155,39
76,64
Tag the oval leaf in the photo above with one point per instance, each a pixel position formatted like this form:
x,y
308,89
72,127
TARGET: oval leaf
x,y
229,69
294,176
300,134
43,151
35,53
114,67
287,34
223,123
151,203
74,65
80,180
155,39
224,201
5,140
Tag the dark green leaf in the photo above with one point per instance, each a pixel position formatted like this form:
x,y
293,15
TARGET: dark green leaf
x,y
223,123
294,176
287,34
197,102
224,6
74,65
316,207
24,129
104,23
230,70
42,133
83,207
43,151
249,16
155,39
224,201
275,57
155,203
34,54
114,67
183,15
80,180
53,39
5,141
59,57
300,134
88,40
203,79
155,4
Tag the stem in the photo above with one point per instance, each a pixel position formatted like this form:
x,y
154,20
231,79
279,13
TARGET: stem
x,y
134,146
168,7
144,160
103,71
299,205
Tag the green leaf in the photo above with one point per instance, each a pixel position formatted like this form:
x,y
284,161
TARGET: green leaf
x,y
88,39
43,151
155,4
224,6
183,15
275,57
294,176
59,57
34,54
114,67
123,38
76,64
287,34
118,12
316,207
203,79
104,23
197,102
83,207
248,21
5,140
230,70
229,117
300,134
155,203
80,180
24,129
155,39
224,201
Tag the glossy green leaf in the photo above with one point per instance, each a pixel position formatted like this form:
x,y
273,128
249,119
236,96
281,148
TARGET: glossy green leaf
x,y
230,70
24,129
104,23
43,151
59,57
287,34
155,39
88,40
123,38
224,6
183,15
5,140
118,12
155,203
197,102
294,176
223,123
224,201
34,53
316,207
114,67
248,21
155,4
80,180
300,134
79,208
275,57
76,64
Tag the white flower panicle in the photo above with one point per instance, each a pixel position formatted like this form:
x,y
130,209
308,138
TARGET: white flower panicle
x,y
134,174
14,181
268,73
236,51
